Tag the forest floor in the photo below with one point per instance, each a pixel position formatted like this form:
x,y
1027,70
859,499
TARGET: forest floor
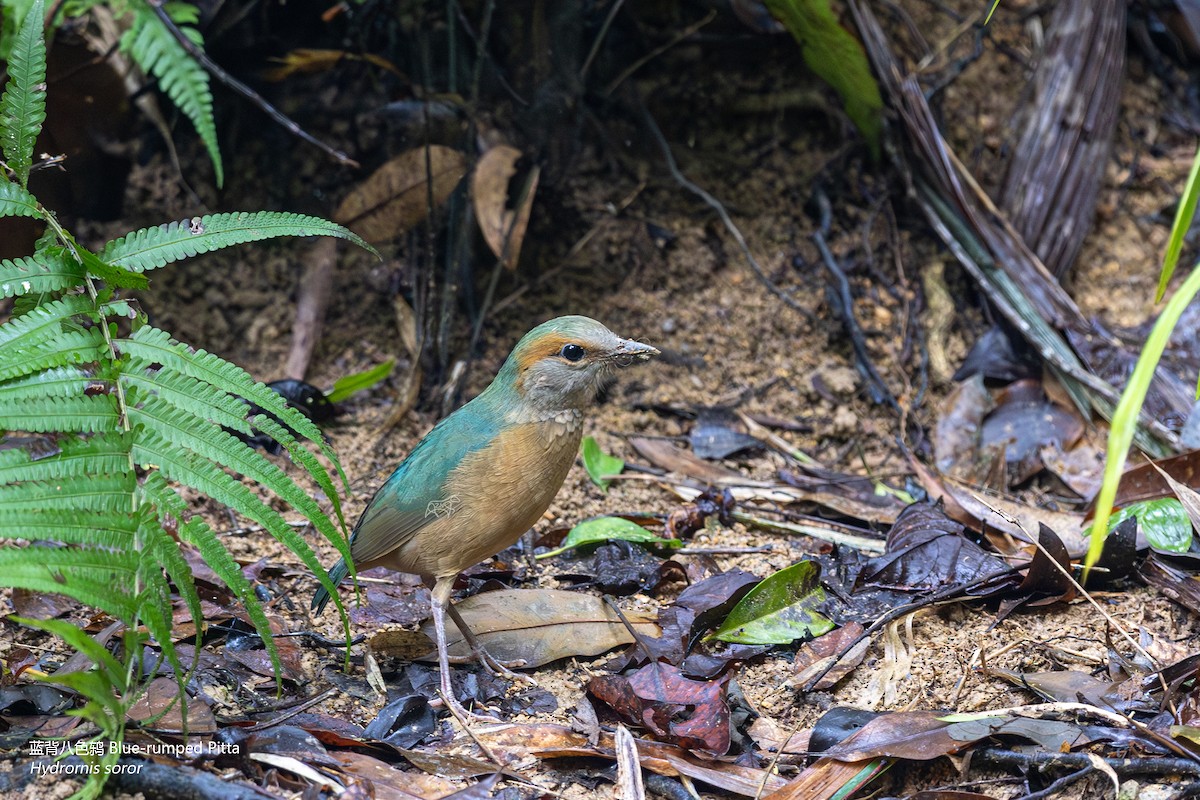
x,y
658,266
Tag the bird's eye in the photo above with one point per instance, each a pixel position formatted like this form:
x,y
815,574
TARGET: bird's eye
x,y
573,352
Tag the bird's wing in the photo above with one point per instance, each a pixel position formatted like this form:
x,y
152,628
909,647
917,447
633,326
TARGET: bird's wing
x,y
414,495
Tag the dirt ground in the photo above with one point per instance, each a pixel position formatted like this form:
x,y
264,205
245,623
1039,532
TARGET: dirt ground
x,y
721,331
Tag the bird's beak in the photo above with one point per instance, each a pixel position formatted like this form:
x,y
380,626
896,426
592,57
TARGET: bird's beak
x,y
627,351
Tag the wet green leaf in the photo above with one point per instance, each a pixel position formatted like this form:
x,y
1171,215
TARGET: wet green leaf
x,y
350,384
599,463
1164,521
780,610
603,529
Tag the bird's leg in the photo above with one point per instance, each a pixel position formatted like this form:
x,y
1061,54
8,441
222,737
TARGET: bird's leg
x,y
489,662
441,601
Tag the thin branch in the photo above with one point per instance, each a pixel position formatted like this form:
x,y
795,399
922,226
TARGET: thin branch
x,y
233,83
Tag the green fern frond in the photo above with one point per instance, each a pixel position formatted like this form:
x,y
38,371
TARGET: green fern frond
x,y
107,454
100,578
110,668
97,414
100,493
151,45
15,201
110,530
23,106
210,442
55,382
151,450
305,458
193,530
114,276
202,400
42,322
67,348
151,248
156,346
39,273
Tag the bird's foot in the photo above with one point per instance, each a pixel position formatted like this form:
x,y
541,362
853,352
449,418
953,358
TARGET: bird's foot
x,y
464,716
504,669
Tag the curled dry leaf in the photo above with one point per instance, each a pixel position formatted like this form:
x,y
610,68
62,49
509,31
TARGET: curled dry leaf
x,y
503,195
397,195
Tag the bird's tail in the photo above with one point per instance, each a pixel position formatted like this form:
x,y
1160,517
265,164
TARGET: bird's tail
x,y
337,575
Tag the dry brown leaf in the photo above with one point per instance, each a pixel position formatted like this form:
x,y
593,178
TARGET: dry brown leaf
x,y
546,740
397,195
388,782
538,626
162,696
502,206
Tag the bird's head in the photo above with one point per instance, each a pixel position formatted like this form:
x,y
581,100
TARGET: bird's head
x,y
561,364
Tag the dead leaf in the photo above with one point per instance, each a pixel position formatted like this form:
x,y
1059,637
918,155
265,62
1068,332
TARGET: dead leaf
x,y
691,714
538,626
162,696
546,740
956,434
812,659
503,196
667,456
388,782
308,60
398,195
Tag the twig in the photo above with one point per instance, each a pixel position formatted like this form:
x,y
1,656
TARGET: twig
x,y
879,391
873,546
591,56
1040,759
656,52
1057,786
233,83
717,206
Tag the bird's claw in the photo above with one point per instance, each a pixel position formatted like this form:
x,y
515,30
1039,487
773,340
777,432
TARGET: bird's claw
x,y
464,716
504,669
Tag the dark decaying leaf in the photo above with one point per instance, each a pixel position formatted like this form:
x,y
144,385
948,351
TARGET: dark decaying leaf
x,y
621,568
1172,582
956,434
912,735
717,434
836,725
403,722
162,695
692,714
1000,356
1073,686
389,783
994,514
1043,583
852,495
1119,558
1146,481
1053,735
41,605
926,550
711,599
780,609
1023,423
671,458
538,626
